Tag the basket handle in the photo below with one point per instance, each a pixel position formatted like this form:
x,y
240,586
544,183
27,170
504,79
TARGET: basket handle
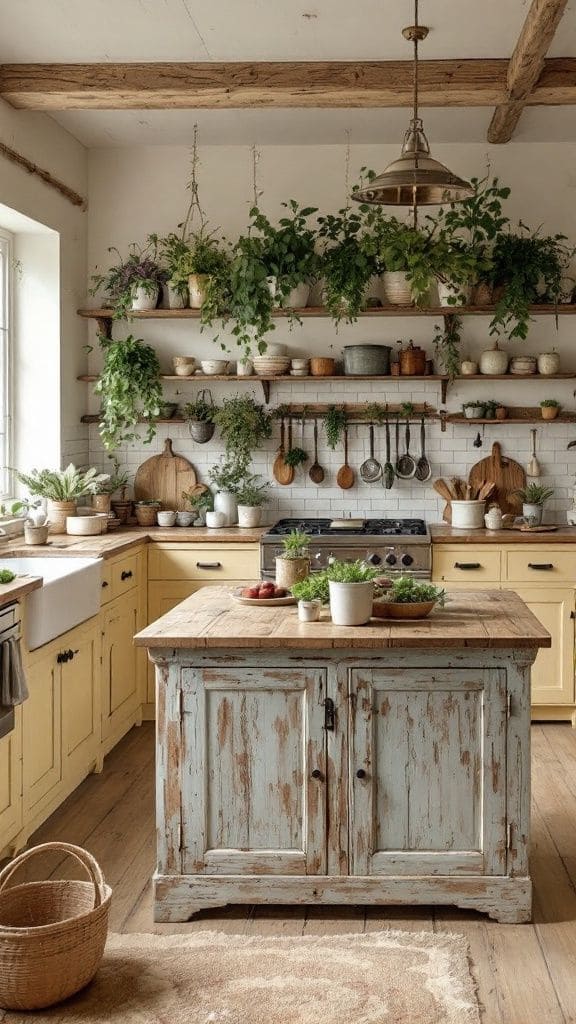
x,y
88,862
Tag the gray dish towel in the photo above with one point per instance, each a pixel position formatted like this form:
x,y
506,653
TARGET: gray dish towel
x,y
13,688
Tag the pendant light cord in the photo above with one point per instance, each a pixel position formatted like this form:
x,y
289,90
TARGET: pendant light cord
x,y
415,105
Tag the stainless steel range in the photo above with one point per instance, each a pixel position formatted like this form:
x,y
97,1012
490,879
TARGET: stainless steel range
x,y
401,546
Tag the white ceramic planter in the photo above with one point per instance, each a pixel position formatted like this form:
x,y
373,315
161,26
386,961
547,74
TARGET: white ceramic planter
x,y
225,502
271,282
473,412
533,513
467,515
493,361
249,515
215,520
143,300
197,284
468,368
184,518
244,367
309,611
173,299
548,363
298,297
166,518
397,288
452,294
351,603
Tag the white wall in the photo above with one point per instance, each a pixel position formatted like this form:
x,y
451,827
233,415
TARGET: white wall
x,y
49,431
139,190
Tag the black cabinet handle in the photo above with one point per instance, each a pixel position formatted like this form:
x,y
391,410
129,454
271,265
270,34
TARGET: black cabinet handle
x,y
208,565
104,583
544,566
467,565
316,774
126,574
360,774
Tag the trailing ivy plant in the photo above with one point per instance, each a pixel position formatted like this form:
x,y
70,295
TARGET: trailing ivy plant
x,y
130,389
243,425
335,422
288,250
346,263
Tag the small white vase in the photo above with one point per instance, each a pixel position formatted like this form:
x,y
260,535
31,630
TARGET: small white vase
x,y
397,287
468,368
249,516
533,513
225,502
351,603
548,363
309,611
197,284
452,294
143,300
298,297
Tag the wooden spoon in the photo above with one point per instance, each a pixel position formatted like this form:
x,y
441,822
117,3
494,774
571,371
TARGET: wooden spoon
x,y
282,473
345,475
316,473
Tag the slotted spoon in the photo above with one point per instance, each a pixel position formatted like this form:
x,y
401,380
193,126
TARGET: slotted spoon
x,y
423,470
371,470
406,467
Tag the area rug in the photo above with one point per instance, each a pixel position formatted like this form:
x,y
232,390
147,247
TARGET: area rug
x,y
212,978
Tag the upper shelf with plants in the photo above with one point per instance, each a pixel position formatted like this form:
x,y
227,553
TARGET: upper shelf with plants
x,y
535,309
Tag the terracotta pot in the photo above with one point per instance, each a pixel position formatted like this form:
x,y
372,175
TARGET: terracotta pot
x,y
291,570
101,502
549,412
320,367
197,284
58,512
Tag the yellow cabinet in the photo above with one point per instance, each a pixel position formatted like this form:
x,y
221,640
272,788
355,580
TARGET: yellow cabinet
x,y
218,563
11,783
553,670
80,694
41,729
466,565
121,678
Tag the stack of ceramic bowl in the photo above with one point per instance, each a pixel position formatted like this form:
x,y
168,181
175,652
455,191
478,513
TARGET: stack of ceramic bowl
x,y
271,366
300,368
214,367
184,366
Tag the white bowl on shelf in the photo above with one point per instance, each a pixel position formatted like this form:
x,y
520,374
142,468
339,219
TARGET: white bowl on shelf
x,y
275,348
214,367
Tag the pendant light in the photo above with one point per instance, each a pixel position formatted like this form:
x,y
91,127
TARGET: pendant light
x,y
415,179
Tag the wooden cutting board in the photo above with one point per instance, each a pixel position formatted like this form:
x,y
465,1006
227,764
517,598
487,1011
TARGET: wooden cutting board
x,y
164,477
507,474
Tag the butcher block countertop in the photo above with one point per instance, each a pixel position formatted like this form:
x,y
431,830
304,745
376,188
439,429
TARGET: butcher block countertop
x,y
108,545
442,534
212,619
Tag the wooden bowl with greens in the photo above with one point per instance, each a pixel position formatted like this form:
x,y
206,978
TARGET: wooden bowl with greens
x,y
405,598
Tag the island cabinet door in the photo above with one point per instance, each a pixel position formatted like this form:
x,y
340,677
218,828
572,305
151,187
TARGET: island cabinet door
x,y
428,771
253,771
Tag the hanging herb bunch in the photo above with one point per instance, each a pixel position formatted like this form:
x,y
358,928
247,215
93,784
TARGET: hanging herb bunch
x,y
130,390
447,345
335,422
244,425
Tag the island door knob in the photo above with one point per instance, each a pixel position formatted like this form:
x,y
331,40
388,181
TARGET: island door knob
x,y
406,559
390,558
316,774
360,774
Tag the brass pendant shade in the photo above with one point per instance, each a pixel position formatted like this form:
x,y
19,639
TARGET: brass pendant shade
x,y
415,179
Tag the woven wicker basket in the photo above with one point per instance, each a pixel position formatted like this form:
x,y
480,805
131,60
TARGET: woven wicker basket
x,y
52,934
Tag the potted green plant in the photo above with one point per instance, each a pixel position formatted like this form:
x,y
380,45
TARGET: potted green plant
x,y
251,496
173,251
288,253
345,263
226,477
490,409
406,598
196,265
447,347
244,425
311,593
199,505
404,256
200,417
62,488
130,389
116,482
133,283
293,564
534,496
549,408
351,587
473,410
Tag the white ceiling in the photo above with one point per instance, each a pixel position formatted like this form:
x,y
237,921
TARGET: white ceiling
x,y
227,30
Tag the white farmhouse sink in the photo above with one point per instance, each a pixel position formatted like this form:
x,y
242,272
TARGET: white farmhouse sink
x,y
69,595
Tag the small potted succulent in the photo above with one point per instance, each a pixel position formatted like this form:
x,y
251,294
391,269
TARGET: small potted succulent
x,y
293,564
251,496
200,417
351,588
311,593
549,408
533,498
62,488
474,410
405,598
490,410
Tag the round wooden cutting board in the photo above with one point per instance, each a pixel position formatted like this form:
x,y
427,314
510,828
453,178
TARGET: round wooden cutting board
x,y
164,477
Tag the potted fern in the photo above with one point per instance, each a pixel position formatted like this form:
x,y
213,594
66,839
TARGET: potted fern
x,y
293,564
534,496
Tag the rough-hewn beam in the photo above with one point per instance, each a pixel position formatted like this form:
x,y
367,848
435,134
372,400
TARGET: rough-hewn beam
x,y
459,83
526,65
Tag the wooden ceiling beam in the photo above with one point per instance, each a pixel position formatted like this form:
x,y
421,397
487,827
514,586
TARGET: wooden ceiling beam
x,y
526,66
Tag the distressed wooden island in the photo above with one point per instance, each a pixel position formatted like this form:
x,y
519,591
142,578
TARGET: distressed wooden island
x,y
308,763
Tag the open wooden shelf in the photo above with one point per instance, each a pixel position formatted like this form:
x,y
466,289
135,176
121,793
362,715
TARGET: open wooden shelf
x,y
516,376
563,309
516,414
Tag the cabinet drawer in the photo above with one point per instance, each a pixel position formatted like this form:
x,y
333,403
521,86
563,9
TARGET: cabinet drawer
x,y
466,565
203,562
124,575
541,565
106,577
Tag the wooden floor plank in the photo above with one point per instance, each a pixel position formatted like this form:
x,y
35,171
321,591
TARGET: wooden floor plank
x,y
525,974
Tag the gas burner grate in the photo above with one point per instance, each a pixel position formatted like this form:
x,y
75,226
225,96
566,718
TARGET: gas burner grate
x,y
369,528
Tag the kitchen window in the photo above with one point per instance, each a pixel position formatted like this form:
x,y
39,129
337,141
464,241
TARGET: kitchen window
x,y
6,299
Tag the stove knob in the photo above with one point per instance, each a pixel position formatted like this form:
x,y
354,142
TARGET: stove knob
x,y
374,559
390,558
406,560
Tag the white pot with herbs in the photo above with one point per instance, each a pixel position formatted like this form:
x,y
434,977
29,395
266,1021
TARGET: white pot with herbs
x,y
351,590
251,497
534,497
226,478
293,564
311,593
62,489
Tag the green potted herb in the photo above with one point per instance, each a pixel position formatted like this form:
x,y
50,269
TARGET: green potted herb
x,y
490,410
406,598
549,408
533,497
351,587
251,496
130,389
473,410
288,253
293,564
117,482
200,417
227,477
335,421
403,255
62,489
345,263
133,283
311,593
196,265
199,505
244,425
447,346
